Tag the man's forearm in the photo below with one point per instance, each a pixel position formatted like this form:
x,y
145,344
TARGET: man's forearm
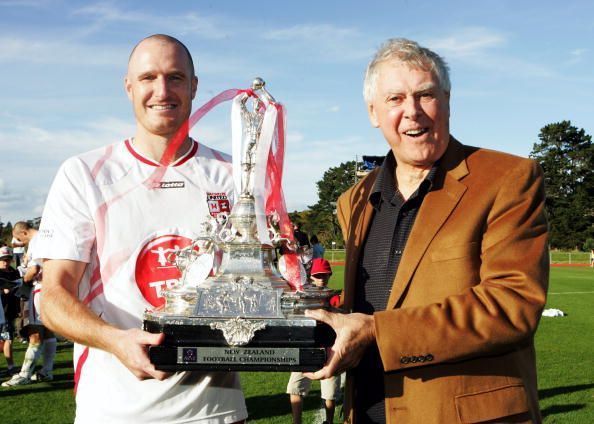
x,y
65,314
30,275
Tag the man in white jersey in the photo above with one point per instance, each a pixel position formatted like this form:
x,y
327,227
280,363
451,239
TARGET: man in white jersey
x,y
111,219
41,340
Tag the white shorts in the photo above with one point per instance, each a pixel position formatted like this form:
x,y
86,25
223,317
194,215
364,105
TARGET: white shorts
x,y
32,313
300,385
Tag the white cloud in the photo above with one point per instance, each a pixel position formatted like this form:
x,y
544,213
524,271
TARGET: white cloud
x,y
576,56
24,3
207,27
305,164
311,33
325,42
32,155
334,109
481,48
55,51
467,42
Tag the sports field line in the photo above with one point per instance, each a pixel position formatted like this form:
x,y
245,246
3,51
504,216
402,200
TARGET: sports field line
x,y
580,292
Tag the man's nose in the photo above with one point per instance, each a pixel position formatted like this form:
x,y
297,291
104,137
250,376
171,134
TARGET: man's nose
x,y
412,108
161,88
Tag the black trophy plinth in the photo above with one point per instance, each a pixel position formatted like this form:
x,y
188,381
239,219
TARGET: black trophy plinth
x,y
292,344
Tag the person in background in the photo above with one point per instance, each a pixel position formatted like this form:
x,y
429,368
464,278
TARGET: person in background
x,y
300,237
41,339
299,385
18,251
317,248
10,308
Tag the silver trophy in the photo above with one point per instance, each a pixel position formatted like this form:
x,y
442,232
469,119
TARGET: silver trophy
x,y
245,316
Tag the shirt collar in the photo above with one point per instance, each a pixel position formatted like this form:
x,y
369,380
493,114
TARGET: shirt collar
x,y
384,187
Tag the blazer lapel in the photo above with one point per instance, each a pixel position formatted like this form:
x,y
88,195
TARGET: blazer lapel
x,y
360,219
436,208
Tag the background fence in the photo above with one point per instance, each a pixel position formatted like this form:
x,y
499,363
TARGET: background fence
x,y
556,256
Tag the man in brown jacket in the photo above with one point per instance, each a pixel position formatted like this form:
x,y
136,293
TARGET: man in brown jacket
x,y
447,264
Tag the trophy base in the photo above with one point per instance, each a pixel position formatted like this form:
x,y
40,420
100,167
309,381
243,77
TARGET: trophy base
x,y
205,358
195,343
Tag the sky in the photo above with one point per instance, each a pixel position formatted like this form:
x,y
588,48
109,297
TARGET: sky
x,y
515,67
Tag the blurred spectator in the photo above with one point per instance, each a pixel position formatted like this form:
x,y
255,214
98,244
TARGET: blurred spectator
x,y
10,308
300,236
298,385
318,249
40,338
18,251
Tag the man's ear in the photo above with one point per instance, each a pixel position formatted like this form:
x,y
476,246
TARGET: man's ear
x,y
128,87
372,115
194,86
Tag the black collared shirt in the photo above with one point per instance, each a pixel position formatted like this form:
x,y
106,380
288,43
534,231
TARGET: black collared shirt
x,y
390,227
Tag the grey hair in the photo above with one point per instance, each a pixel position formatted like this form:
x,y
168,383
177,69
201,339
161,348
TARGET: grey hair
x,y
409,53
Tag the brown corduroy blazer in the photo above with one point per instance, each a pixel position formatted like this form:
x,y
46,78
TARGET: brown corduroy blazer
x,y
456,338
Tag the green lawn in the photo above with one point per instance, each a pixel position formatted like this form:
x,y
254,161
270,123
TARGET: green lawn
x,y
564,352
564,349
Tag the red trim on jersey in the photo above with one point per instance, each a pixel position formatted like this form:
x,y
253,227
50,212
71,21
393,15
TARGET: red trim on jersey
x,y
190,154
147,161
101,161
138,155
93,294
79,364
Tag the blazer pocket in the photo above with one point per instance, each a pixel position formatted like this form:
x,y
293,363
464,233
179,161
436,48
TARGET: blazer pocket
x,y
492,404
455,251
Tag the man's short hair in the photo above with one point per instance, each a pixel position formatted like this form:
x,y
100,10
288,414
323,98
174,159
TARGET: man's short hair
x,y
170,39
409,53
21,226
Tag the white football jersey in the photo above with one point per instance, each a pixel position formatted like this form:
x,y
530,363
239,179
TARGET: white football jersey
x,y
113,210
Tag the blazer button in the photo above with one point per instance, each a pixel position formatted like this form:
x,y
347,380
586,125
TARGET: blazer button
x,y
421,358
429,357
414,359
404,360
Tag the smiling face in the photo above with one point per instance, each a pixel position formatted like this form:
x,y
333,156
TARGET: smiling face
x,y
161,87
412,111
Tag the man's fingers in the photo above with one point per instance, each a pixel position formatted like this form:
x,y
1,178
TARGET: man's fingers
x,y
318,375
146,338
159,375
321,315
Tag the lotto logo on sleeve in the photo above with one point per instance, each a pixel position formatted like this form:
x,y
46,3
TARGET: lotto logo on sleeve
x,y
218,203
155,266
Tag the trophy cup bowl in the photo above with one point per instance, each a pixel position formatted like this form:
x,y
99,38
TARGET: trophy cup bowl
x,y
246,316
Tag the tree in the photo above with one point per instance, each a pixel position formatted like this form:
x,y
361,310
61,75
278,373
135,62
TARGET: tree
x,y
566,155
5,234
320,219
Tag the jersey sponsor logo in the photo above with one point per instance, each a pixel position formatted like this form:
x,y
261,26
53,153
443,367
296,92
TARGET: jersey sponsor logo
x,y
46,233
171,184
155,266
218,203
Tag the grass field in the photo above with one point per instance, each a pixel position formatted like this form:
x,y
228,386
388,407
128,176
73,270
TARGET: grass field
x,y
564,351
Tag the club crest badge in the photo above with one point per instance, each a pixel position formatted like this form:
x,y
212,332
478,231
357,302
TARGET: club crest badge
x,y
218,203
